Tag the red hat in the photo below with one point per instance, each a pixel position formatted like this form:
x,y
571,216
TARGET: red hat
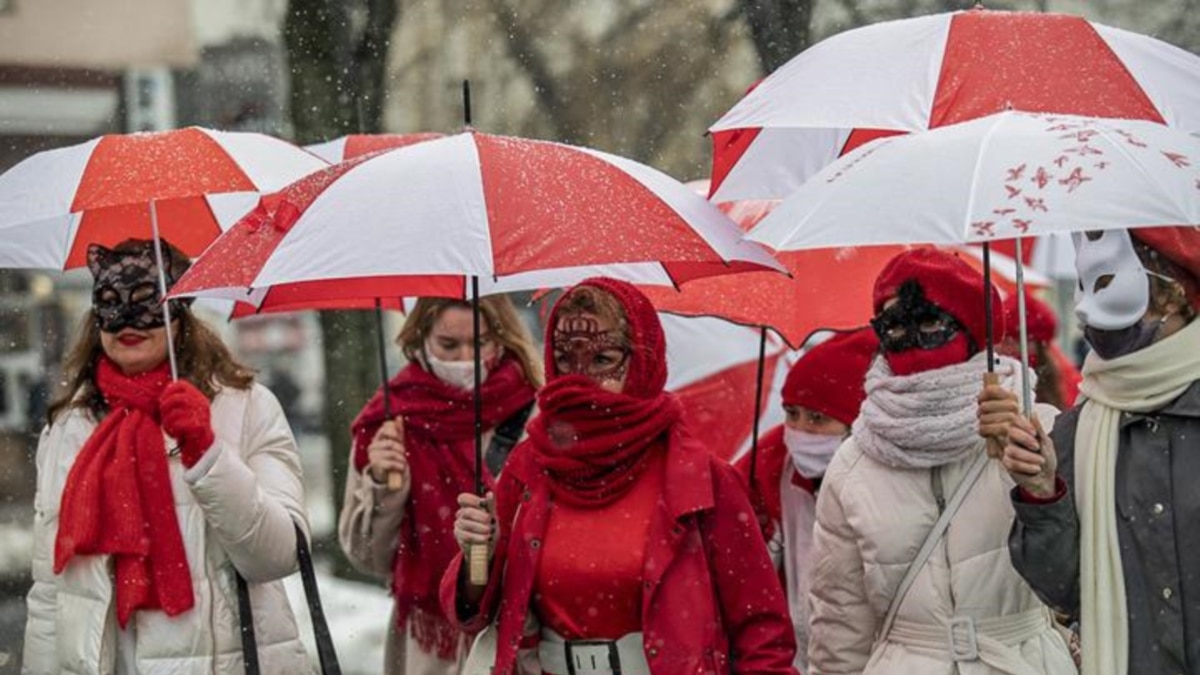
x,y
1180,245
947,282
647,375
1041,323
829,377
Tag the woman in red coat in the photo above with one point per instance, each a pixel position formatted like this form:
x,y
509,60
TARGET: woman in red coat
x,y
632,548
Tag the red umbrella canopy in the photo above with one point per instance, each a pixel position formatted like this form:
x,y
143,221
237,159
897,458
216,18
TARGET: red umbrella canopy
x,y
55,203
515,213
927,72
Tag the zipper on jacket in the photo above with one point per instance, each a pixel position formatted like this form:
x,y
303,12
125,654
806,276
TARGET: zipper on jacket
x,y
939,493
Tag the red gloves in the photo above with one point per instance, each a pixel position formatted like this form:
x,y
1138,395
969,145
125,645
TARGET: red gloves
x,y
187,417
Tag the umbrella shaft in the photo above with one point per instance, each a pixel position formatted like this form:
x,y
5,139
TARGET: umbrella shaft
x,y
162,287
1026,389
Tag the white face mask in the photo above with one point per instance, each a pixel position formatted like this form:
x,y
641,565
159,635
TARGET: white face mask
x,y
1125,299
811,453
459,374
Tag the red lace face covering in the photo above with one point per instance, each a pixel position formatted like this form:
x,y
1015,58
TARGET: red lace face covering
x,y
582,347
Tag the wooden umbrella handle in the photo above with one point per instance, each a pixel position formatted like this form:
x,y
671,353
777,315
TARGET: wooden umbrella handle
x,y
995,447
477,559
395,479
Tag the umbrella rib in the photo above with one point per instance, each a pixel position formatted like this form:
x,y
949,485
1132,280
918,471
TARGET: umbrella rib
x,y
983,144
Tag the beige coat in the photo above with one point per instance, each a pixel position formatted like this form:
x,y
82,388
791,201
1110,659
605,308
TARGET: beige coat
x,y
369,530
235,510
871,520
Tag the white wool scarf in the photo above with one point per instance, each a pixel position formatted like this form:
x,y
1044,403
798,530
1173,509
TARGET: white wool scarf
x,y
926,419
1141,382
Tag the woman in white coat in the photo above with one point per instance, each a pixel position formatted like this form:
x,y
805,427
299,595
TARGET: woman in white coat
x,y
152,493
967,610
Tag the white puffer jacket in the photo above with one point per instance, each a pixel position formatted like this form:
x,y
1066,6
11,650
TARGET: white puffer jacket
x,y
871,520
235,507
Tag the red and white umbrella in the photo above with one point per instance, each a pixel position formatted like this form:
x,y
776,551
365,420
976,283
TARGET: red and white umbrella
x,y
1004,176
55,203
713,368
513,213
928,72
356,145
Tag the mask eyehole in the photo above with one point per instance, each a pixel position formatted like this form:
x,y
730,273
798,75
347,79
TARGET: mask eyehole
x,y
1094,235
1102,283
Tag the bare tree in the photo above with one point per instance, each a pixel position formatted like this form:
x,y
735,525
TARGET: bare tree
x,y
780,28
641,79
337,52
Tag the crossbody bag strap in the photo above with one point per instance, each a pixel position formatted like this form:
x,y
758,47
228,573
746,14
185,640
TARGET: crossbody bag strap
x,y
504,438
931,541
326,654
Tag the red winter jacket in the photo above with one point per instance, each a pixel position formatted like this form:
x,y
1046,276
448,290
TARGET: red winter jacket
x,y
711,600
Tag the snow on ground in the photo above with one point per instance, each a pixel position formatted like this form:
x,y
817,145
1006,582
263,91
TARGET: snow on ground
x,y
358,616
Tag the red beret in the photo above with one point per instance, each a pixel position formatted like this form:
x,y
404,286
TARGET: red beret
x,y
829,377
948,282
1040,320
1180,245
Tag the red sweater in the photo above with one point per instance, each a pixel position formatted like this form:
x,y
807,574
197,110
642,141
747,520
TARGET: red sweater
x,y
589,580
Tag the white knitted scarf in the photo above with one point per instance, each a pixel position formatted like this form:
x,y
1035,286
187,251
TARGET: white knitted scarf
x,y
1141,382
926,419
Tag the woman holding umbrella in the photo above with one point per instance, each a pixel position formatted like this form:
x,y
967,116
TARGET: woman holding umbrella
x,y
632,547
821,398
1107,504
152,492
403,530
910,566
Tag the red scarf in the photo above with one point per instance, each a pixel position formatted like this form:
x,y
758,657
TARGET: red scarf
x,y
118,500
593,442
439,437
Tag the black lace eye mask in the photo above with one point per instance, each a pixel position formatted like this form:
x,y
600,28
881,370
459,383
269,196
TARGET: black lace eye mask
x,y
582,348
914,322
125,291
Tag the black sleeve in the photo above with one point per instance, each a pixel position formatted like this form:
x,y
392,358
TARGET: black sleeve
x,y
1044,542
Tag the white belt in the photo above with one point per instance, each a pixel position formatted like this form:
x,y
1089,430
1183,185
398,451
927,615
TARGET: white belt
x,y
592,657
991,640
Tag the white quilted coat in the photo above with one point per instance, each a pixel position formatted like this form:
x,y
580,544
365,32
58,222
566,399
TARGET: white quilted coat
x,y
235,508
871,520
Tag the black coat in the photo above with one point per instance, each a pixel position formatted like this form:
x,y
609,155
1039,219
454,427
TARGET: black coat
x,y
1158,528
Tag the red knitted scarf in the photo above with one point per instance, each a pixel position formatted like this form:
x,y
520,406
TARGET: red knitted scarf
x,y
439,437
593,443
118,500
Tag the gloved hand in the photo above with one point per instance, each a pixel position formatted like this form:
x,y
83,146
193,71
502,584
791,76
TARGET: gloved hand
x,y
187,417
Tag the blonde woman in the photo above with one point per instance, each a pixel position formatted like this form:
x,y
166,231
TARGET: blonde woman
x,y
405,534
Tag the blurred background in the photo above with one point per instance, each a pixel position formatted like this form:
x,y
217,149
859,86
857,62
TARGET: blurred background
x,y
640,78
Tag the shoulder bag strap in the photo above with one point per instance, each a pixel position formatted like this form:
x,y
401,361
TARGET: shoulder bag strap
x,y
505,438
326,653
931,541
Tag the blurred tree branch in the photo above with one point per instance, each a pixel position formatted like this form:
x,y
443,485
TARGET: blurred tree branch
x,y
338,78
780,28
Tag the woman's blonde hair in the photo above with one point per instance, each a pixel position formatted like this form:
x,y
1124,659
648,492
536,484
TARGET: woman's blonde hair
x,y
204,360
498,314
